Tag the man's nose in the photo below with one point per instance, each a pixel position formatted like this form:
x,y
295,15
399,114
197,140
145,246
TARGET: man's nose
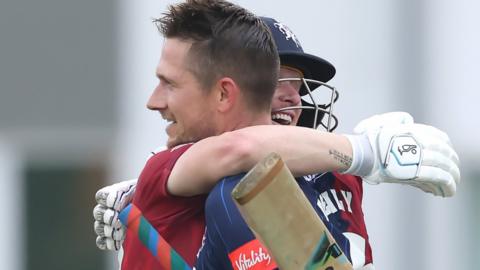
x,y
289,93
157,100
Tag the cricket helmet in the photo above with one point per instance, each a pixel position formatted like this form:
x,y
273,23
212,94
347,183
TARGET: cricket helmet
x,y
316,73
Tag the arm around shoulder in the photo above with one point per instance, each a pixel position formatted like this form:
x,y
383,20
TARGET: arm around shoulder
x,y
305,151
209,160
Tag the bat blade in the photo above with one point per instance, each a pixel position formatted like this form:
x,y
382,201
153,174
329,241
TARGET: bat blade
x,y
277,211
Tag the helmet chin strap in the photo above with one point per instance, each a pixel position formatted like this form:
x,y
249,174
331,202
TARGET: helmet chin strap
x,y
326,109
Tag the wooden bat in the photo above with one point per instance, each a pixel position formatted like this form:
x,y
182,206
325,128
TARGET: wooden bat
x,y
275,208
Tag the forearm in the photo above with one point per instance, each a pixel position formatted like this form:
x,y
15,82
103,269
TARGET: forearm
x,y
304,150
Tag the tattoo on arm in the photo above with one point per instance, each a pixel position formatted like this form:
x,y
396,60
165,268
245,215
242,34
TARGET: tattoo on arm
x,y
341,157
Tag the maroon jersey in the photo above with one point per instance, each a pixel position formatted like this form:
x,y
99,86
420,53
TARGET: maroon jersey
x,y
179,220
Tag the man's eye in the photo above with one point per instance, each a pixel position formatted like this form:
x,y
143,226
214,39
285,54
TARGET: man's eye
x,y
165,83
296,84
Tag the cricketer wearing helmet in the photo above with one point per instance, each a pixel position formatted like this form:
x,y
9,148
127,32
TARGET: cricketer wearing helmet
x,y
269,137
337,198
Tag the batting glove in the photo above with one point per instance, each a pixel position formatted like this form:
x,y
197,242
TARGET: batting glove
x,y
111,200
404,152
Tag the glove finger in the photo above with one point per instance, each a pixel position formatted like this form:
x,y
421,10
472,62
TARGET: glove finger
x,y
420,131
380,120
444,149
110,216
426,187
118,245
442,180
108,231
110,244
430,138
99,228
124,198
435,159
121,194
112,196
99,212
101,242
111,219
433,175
432,180
116,223
447,190
433,138
101,195
430,131
119,234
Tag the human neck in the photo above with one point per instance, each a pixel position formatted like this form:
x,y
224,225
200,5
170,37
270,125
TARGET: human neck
x,y
248,119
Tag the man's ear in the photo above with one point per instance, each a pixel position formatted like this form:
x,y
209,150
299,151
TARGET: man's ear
x,y
227,94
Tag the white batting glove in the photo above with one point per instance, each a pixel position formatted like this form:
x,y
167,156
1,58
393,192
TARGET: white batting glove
x,y
111,200
404,152
108,238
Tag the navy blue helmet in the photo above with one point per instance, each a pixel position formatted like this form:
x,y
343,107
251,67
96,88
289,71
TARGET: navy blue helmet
x,y
316,73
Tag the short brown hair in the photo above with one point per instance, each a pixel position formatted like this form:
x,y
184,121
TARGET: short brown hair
x,y
227,41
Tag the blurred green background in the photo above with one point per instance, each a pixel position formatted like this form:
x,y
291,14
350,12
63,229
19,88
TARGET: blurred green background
x,y
58,242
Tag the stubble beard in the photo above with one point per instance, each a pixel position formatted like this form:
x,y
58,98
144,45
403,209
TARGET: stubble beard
x,y
203,130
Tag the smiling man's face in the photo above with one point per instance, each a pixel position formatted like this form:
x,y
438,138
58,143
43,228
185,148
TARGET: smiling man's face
x,y
180,98
286,95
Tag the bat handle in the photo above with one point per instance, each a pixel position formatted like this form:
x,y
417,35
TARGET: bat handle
x,y
136,223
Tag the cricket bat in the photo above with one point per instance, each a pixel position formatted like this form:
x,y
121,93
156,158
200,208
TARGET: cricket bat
x,y
277,211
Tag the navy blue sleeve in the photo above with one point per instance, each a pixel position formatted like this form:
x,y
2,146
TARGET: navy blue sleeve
x,y
226,230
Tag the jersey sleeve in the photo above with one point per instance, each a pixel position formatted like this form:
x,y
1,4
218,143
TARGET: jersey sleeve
x,y
179,220
159,206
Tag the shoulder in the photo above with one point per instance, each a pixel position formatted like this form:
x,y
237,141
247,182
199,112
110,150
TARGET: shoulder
x,y
167,157
154,175
219,199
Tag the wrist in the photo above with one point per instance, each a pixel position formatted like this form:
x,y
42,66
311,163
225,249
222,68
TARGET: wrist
x,y
362,155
